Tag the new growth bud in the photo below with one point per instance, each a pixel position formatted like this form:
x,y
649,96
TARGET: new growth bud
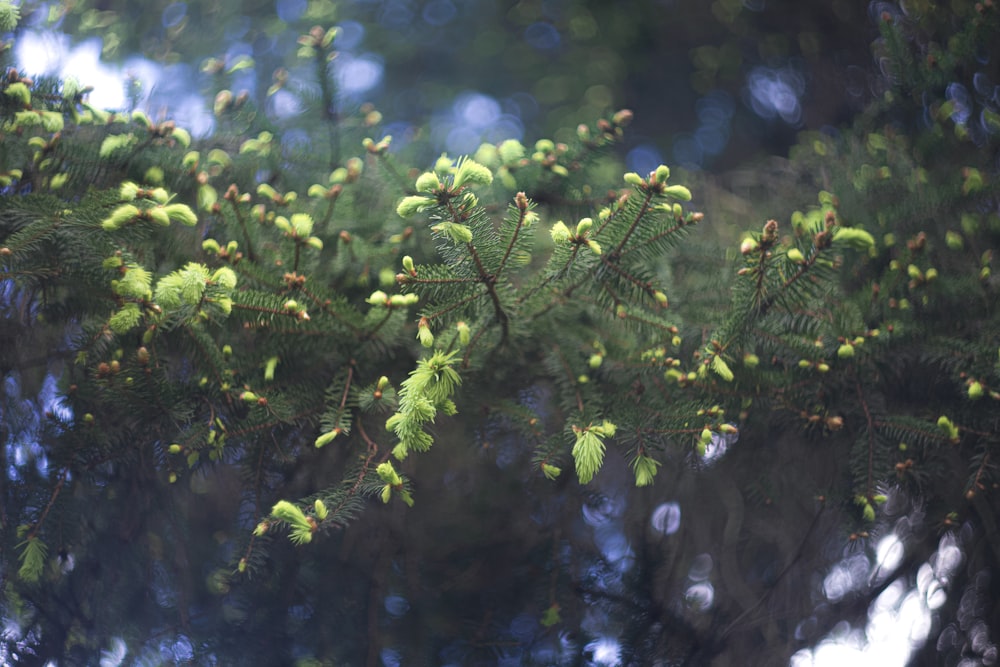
x,y
428,182
464,335
424,334
560,232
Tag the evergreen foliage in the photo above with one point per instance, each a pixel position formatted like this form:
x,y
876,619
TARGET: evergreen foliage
x,y
297,328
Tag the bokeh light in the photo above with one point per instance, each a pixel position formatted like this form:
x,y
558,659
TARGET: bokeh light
x,y
776,93
439,12
643,159
356,75
173,14
899,619
666,518
542,36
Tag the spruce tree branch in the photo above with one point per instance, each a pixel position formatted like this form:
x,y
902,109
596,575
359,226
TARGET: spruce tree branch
x,y
531,292
656,237
768,301
381,323
466,358
616,253
569,374
386,162
270,311
513,238
356,486
870,484
347,390
609,219
976,484
328,100
257,483
371,444
763,301
438,281
784,571
455,305
265,281
489,281
331,204
325,308
139,148
48,507
670,431
204,353
644,286
243,224
931,434
56,222
658,325
803,269
277,421
584,279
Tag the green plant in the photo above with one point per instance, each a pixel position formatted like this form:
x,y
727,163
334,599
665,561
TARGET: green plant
x,y
298,327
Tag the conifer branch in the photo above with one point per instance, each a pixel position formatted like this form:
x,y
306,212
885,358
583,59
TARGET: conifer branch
x,y
282,312
632,317
569,375
277,421
356,484
64,473
257,491
977,484
454,306
616,253
522,207
386,161
639,284
232,197
467,357
370,335
332,198
549,278
412,280
201,348
870,485
324,306
347,389
489,281
681,224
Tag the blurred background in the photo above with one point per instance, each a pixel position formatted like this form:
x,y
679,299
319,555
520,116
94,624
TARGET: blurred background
x,y
712,84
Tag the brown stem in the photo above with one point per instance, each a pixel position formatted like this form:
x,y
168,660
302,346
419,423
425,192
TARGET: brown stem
x,y
52,500
569,374
243,226
457,304
635,223
490,282
645,287
869,486
667,232
513,240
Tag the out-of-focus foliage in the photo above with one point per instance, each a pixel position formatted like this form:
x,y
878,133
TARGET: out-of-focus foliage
x,y
711,82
